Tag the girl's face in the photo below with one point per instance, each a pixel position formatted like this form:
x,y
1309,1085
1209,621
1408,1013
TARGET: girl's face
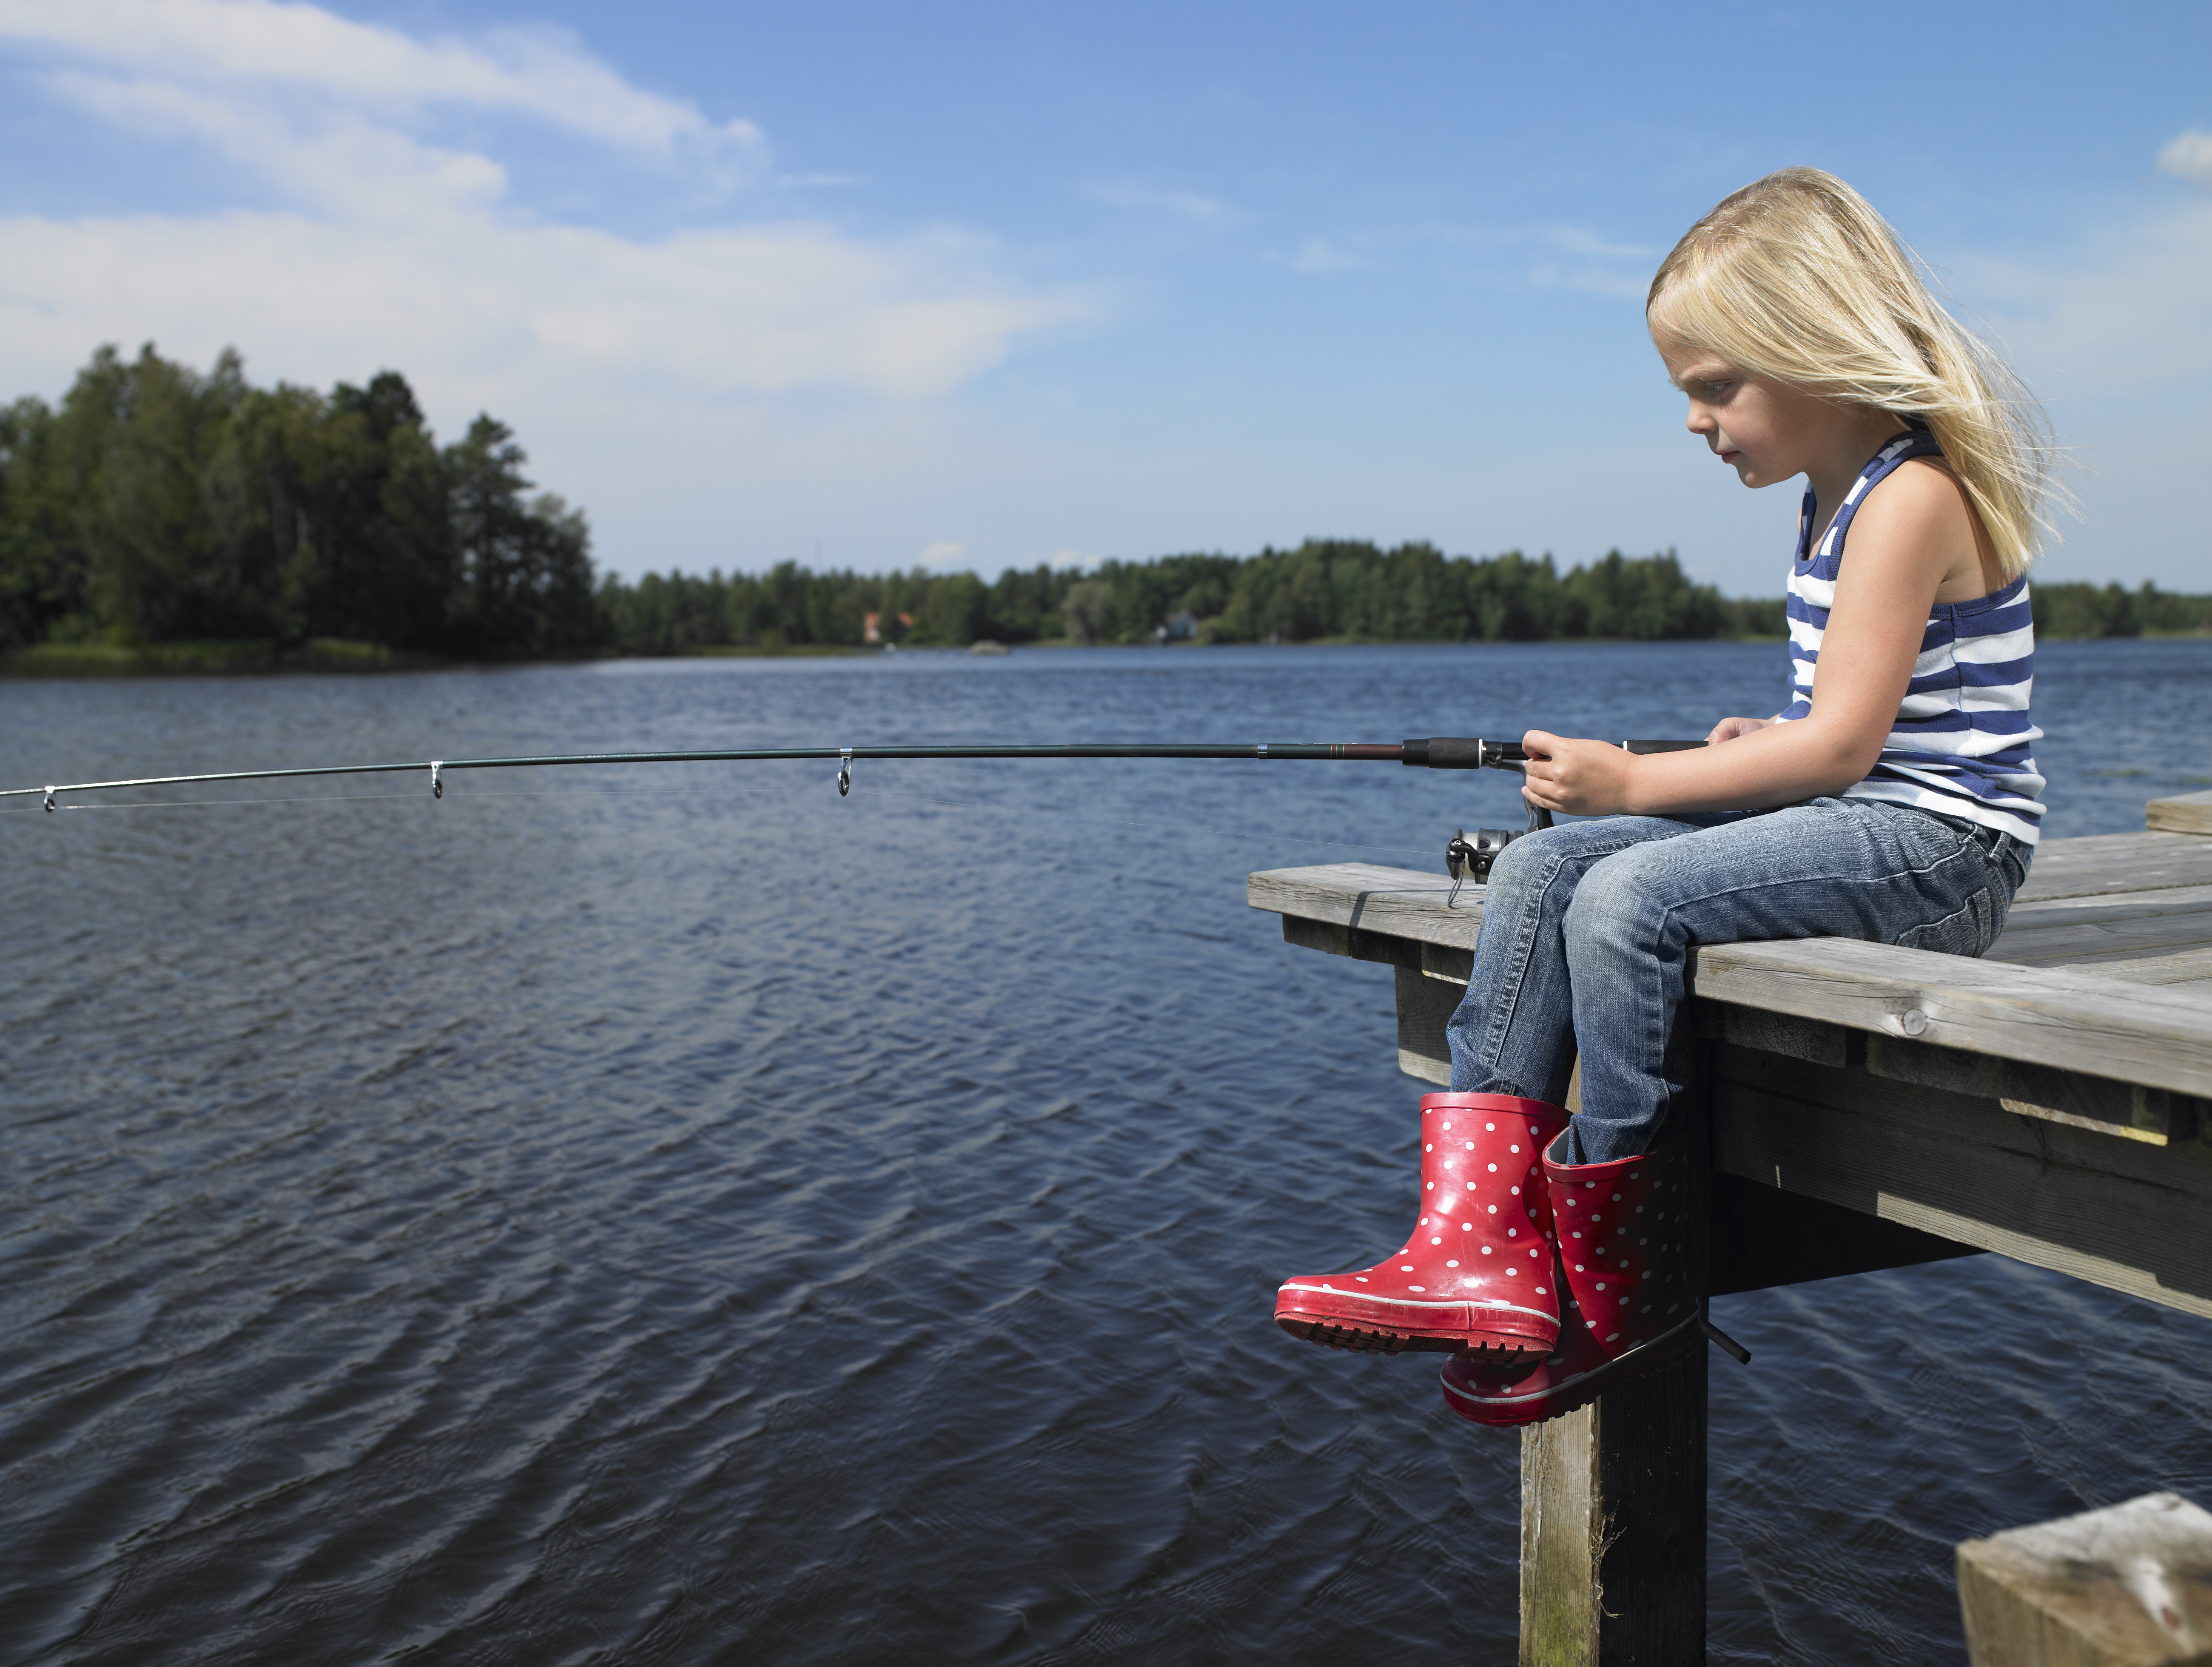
x,y
1766,431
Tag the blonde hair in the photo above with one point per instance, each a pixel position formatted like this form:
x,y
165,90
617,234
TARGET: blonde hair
x,y
1796,279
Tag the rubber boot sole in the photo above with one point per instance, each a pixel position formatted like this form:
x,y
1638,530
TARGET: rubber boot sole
x,y
1363,1340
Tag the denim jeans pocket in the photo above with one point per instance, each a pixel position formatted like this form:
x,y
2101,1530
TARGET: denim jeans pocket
x,y
1967,931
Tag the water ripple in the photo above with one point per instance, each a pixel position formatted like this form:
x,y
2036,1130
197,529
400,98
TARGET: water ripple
x,y
684,1216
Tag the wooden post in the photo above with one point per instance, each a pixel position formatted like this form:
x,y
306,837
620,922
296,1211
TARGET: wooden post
x,y
1613,1501
2127,1586
1613,1527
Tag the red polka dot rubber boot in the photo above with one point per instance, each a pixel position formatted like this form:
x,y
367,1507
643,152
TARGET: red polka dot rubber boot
x,y
1476,1275
1621,1232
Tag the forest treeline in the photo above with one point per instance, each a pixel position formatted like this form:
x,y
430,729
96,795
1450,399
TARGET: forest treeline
x,y
159,505
1336,589
1324,589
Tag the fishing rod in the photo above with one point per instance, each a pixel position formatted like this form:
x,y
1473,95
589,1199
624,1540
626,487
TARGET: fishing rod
x,y
1464,859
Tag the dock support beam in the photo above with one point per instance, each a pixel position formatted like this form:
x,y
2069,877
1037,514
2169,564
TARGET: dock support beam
x,y
1613,1497
1613,1527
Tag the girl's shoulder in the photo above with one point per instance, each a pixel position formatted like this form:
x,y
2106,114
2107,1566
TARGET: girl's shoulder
x,y
1922,512
1927,480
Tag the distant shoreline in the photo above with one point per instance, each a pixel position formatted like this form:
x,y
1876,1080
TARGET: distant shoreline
x,y
321,657
326,657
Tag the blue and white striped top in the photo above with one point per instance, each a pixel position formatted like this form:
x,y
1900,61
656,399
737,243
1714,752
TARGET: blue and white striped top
x,y
1960,746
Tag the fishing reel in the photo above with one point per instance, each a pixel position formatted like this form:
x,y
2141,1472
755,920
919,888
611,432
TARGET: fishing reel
x,y
1466,859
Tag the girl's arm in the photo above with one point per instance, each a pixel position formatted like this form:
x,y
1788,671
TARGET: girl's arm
x,y
1913,534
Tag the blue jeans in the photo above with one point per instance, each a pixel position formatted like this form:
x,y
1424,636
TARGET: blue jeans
x,y
1586,930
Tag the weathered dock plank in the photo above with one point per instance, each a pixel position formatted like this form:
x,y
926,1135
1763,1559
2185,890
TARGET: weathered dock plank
x,y
2031,914
2123,1214
2159,1036
1396,901
2130,1585
2192,966
2186,813
2134,1003
2104,863
2055,934
2098,1103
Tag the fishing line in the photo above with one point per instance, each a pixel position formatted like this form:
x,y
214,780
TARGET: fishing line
x,y
202,805
894,795
1250,835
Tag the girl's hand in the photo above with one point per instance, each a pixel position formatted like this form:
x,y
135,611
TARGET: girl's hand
x,y
1728,728
1581,777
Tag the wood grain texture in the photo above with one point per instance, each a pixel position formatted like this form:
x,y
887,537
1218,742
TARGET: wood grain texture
x,y
2187,812
1425,1004
1332,939
2159,1036
1613,1527
1558,1578
2088,976
2126,1109
2117,1213
2031,914
1401,902
1812,1041
2107,862
2191,966
2159,937
1407,903
1763,1237
2130,1585
2058,942
1613,1504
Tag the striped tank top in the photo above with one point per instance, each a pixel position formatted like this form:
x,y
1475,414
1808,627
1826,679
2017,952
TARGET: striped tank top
x,y
1960,745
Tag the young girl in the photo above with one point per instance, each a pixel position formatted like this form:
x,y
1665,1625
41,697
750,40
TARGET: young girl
x,y
1900,801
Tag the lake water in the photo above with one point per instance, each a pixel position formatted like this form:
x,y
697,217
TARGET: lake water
x,y
679,1215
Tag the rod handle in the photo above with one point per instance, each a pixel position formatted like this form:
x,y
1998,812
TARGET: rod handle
x,y
1456,752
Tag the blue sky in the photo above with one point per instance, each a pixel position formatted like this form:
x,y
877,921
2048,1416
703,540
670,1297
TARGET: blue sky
x,y
993,284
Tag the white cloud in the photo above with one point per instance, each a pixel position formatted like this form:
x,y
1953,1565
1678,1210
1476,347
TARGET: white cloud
x,y
340,163
2134,311
303,48
403,252
1590,280
1318,254
2188,156
1580,241
1183,205
1593,264
1573,257
2117,340
492,309
943,554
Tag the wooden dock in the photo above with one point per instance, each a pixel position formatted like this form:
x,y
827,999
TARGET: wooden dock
x,y
1867,1107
